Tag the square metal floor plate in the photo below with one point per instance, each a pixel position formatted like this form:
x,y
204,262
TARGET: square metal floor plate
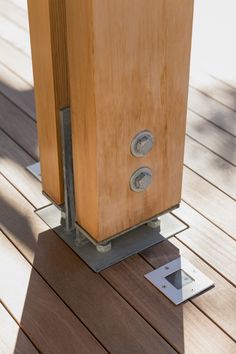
x,y
35,170
123,246
179,280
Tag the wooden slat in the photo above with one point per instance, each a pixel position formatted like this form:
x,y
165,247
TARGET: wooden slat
x,y
20,3
129,63
13,163
214,88
14,35
42,315
47,31
16,61
212,137
117,326
209,201
14,14
210,166
212,110
209,242
18,126
12,338
184,325
217,303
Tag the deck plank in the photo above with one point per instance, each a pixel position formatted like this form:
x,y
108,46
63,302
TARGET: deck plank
x,y
13,163
208,242
175,322
14,14
212,110
117,325
219,303
36,307
12,338
210,202
18,126
214,138
210,166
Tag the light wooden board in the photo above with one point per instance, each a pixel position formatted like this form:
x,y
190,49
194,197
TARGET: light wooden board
x,y
217,140
219,303
210,202
48,44
214,88
36,307
12,338
210,166
18,126
212,110
13,163
209,242
113,322
14,13
184,325
16,61
129,63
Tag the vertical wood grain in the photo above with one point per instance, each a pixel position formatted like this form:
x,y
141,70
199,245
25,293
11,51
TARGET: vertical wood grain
x,y
48,45
128,67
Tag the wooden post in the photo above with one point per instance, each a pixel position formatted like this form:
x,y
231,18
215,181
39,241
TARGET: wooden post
x,y
48,44
128,69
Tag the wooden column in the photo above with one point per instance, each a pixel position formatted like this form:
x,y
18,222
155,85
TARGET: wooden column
x,y
129,69
48,44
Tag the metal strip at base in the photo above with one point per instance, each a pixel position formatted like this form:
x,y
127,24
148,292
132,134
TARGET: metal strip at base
x,y
132,242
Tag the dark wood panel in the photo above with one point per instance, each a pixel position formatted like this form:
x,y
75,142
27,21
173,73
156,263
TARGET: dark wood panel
x,y
117,325
12,338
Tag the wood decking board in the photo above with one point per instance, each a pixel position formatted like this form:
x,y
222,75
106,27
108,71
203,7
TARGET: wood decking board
x,y
18,126
208,242
120,308
14,13
209,201
95,302
10,334
214,138
36,307
210,166
219,303
184,326
217,89
212,110
13,163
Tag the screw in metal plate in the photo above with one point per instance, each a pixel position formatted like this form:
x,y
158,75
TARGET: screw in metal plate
x,y
141,179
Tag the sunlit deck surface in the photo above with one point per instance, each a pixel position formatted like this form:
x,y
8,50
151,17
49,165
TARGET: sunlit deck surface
x,y
50,301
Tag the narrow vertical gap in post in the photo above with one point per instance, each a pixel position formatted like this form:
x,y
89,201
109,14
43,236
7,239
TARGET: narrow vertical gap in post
x,y
68,213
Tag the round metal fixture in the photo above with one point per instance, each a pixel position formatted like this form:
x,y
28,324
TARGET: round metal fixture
x,y
141,179
142,143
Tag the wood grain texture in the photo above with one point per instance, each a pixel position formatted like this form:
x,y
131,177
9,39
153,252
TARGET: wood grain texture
x,y
12,338
128,64
13,164
47,31
219,303
210,202
109,317
210,166
208,242
184,326
217,140
36,307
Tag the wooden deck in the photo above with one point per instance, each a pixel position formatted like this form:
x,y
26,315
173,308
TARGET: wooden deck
x,y
50,301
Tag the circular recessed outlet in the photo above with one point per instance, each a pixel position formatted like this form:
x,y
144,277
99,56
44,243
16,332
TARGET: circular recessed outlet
x,y
141,179
142,143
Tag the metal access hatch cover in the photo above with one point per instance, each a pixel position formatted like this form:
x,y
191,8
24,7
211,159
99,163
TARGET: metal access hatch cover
x,y
179,280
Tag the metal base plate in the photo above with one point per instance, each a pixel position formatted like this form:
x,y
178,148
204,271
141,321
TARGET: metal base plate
x,y
179,280
35,170
123,246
